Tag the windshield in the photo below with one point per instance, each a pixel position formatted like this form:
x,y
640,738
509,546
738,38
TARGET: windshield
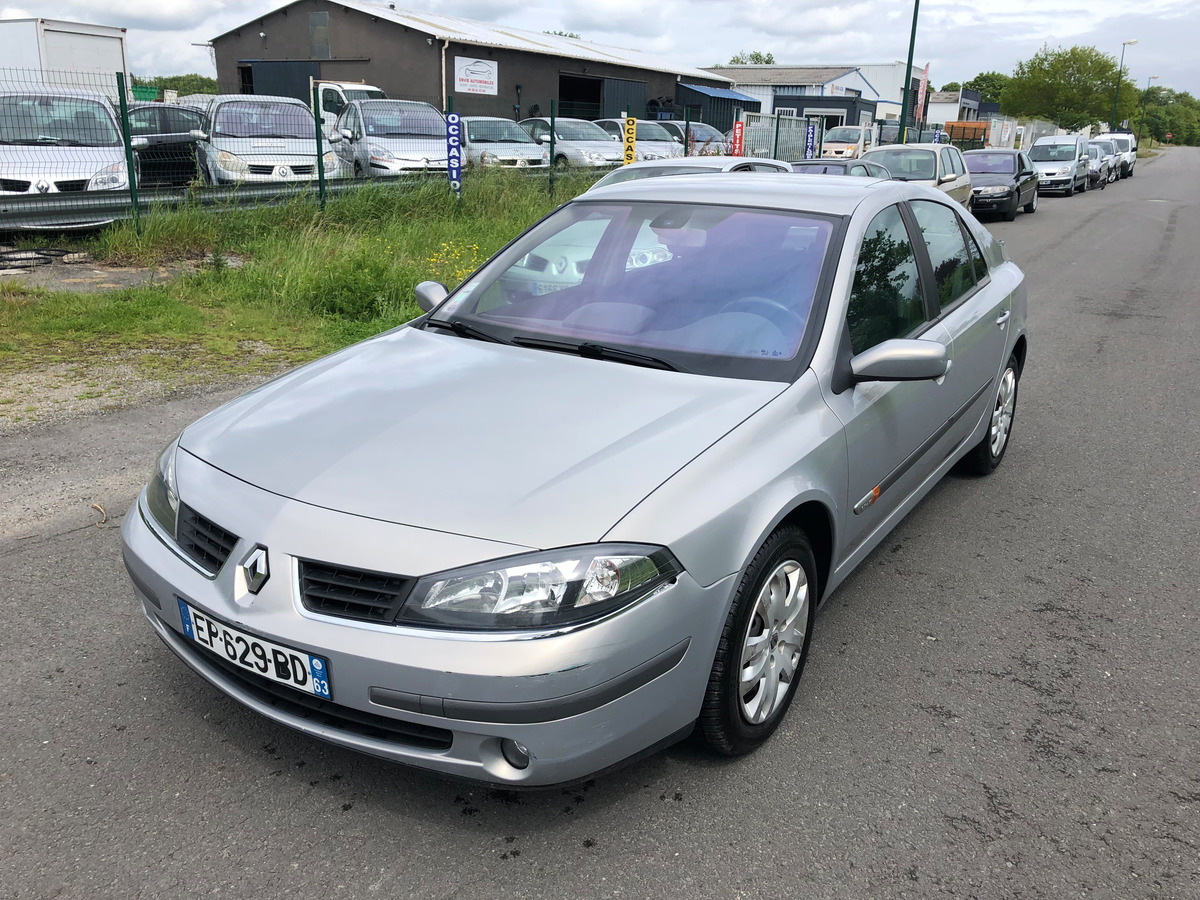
x,y
497,131
1052,152
844,135
990,163
702,132
1093,152
246,119
1106,147
907,164
1122,144
353,94
581,131
713,281
632,173
65,121
399,118
652,131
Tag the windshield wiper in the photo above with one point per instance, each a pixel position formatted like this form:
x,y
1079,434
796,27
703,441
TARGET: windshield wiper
x,y
462,329
590,350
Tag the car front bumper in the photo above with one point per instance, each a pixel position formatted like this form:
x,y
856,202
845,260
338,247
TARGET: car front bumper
x,y
581,700
983,202
1056,182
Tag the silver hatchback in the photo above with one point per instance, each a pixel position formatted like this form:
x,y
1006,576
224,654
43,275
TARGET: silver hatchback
x,y
254,138
589,503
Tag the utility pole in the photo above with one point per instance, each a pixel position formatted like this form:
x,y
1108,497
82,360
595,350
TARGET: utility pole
x,y
1145,96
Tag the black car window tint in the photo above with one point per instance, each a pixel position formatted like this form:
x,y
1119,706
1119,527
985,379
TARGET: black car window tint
x,y
885,301
144,121
952,271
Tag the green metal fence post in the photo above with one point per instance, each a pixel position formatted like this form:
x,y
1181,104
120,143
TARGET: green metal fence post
x,y
775,148
553,112
130,169
687,128
316,105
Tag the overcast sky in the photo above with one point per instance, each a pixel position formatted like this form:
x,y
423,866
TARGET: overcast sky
x,y
958,39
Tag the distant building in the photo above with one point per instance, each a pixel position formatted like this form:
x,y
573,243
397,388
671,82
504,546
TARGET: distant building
x,y
953,106
838,94
487,69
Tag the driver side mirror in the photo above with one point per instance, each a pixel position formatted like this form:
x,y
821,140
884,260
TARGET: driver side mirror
x,y
543,139
430,294
947,178
346,133
139,143
335,137
197,134
901,360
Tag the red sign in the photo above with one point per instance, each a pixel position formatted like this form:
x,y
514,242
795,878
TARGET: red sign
x,y
736,149
1168,135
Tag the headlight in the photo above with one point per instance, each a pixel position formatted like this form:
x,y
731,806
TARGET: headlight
x,y
994,189
231,163
593,156
545,157
381,154
1065,170
110,178
488,158
540,590
162,493
331,161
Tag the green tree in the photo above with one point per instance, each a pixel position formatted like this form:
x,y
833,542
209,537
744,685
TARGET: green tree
x,y
1072,88
753,58
568,34
989,84
951,86
184,84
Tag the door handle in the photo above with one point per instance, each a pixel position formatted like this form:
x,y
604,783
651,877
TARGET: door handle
x,y
1002,319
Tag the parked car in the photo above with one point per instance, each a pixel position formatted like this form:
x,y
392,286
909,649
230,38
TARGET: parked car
x,y
492,141
257,138
858,167
57,141
847,141
692,165
1062,163
937,165
577,142
682,459
1002,181
390,137
703,139
1108,150
1098,170
651,139
1126,145
169,157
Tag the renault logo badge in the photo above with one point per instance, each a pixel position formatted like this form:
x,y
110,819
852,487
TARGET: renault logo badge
x,y
43,185
255,569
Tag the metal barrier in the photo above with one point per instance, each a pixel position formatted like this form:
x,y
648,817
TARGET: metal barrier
x,y
784,137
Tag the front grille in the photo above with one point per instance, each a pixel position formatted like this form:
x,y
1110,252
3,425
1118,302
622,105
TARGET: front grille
x,y
270,170
326,713
79,185
351,593
302,170
11,184
203,540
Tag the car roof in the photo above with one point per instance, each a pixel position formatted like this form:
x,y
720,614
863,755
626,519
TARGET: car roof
x,y
486,119
1059,139
927,146
54,92
768,190
707,162
255,98
991,150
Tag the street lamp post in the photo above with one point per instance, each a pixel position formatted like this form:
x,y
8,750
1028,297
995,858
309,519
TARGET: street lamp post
x,y
1120,74
1142,121
912,42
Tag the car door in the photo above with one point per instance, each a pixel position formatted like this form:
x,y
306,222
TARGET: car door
x,y
333,104
972,309
145,122
891,428
960,188
1027,178
350,127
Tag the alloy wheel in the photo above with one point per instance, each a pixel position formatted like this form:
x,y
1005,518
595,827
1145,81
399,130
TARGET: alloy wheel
x,y
1002,415
773,642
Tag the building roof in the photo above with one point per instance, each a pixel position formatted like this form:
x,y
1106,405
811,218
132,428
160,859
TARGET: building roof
x,y
722,93
488,34
780,74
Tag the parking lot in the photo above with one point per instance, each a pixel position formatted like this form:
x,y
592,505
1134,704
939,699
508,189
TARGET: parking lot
x,y
1001,702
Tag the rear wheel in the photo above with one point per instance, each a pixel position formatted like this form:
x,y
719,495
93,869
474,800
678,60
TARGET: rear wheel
x,y
1031,206
763,646
984,457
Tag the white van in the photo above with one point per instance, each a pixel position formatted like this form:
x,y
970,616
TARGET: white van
x,y
1062,163
336,96
1126,145
847,141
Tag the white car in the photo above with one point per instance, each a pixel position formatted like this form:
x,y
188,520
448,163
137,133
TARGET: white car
x,y
492,141
938,165
1126,145
651,140
390,137
692,165
577,142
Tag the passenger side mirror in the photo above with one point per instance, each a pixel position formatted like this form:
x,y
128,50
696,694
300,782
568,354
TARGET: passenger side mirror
x,y
901,360
197,134
947,178
335,137
543,138
139,143
346,133
430,294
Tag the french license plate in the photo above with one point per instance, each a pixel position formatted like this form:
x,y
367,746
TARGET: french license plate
x,y
275,662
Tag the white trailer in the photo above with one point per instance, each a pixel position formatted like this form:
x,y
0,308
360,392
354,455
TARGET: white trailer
x,y
54,53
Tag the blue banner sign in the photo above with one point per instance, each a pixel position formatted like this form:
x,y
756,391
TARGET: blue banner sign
x,y
454,151
937,136
810,141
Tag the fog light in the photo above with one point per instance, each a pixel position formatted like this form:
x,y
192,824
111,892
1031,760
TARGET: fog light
x,y
516,754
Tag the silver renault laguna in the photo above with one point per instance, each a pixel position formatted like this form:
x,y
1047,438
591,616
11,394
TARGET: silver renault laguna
x,y
588,503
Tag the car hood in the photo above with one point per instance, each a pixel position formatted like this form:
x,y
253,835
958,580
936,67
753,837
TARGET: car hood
x,y
267,148
524,446
519,150
56,163
610,149
1053,165
985,179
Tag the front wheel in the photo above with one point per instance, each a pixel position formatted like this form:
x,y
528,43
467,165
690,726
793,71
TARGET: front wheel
x,y
1011,212
1031,206
984,457
1071,188
763,646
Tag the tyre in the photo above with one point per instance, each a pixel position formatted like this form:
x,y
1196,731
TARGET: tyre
x,y
560,162
1104,182
1130,175
1070,192
1083,188
1031,206
763,646
1011,212
984,457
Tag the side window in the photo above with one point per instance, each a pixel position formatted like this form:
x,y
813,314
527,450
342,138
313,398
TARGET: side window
x,y
1025,165
952,273
611,127
960,164
977,260
144,121
331,101
540,128
354,119
859,170
885,301
182,121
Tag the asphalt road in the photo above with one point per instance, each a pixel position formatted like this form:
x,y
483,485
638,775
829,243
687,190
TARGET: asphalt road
x,y
1003,702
